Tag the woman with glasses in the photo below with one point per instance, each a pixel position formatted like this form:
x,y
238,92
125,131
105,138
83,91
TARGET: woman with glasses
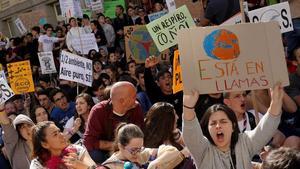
x,y
129,152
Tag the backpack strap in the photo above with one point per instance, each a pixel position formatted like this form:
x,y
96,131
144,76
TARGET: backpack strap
x,y
251,120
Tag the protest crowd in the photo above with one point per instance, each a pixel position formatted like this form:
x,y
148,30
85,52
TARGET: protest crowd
x,y
106,108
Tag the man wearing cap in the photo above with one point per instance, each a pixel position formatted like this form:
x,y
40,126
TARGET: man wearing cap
x,y
17,139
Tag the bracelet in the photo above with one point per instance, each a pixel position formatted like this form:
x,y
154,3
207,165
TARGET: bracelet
x,y
188,107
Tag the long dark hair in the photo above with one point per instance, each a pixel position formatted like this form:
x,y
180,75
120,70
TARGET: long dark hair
x,y
90,102
33,115
230,114
38,137
159,125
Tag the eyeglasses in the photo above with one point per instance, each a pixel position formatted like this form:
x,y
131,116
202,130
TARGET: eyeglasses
x,y
59,99
134,151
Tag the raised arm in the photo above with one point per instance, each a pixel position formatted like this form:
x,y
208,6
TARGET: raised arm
x,y
267,126
192,133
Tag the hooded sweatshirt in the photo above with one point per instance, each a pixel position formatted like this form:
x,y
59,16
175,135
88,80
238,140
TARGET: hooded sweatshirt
x,y
208,156
18,151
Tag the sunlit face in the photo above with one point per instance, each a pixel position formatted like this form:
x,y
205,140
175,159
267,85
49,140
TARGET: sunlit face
x,y
55,140
41,115
97,67
73,23
49,31
220,129
25,131
60,101
44,101
131,68
110,73
112,58
132,151
130,100
237,102
10,108
165,82
82,106
101,19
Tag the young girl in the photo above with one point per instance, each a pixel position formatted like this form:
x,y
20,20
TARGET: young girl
x,y
220,145
50,147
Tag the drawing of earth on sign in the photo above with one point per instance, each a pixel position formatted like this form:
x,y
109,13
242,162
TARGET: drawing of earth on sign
x,y
221,45
141,44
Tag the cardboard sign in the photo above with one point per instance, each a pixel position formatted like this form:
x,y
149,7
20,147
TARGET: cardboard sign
x,y
20,26
47,62
85,43
76,68
157,15
164,30
2,75
236,19
139,44
278,12
177,73
229,58
5,91
20,77
195,7
70,8
97,6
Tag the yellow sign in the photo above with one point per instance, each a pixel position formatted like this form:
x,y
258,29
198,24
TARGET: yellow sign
x,y
1,67
177,74
20,77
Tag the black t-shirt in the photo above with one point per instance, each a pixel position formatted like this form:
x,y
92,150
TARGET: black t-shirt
x,y
218,11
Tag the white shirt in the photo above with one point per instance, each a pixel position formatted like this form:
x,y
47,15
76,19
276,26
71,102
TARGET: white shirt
x,y
47,42
248,127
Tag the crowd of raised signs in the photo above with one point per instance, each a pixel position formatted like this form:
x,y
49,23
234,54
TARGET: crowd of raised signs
x,y
129,116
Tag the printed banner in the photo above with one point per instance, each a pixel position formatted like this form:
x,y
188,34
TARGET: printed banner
x,y
20,77
139,44
157,15
177,74
229,58
76,68
164,30
278,12
20,26
85,43
47,62
5,91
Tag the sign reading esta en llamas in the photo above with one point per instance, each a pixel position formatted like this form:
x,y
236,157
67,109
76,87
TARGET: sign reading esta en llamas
x,y
232,58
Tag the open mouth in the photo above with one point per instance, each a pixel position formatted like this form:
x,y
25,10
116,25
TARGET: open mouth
x,y
243,105
220,136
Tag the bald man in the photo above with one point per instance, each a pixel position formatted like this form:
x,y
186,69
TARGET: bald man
x,y
105,117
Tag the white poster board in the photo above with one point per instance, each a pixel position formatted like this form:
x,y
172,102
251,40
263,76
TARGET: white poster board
x,y
71,8
76,68
2,75
85,43
47,62
278,12
171,5
232,58
20,26
97,6
236,19
5,91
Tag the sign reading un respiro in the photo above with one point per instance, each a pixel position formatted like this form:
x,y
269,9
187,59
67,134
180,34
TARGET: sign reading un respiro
x,y
164,30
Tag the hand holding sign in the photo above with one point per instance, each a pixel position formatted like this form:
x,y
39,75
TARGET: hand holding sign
x,y
151,62
277,99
